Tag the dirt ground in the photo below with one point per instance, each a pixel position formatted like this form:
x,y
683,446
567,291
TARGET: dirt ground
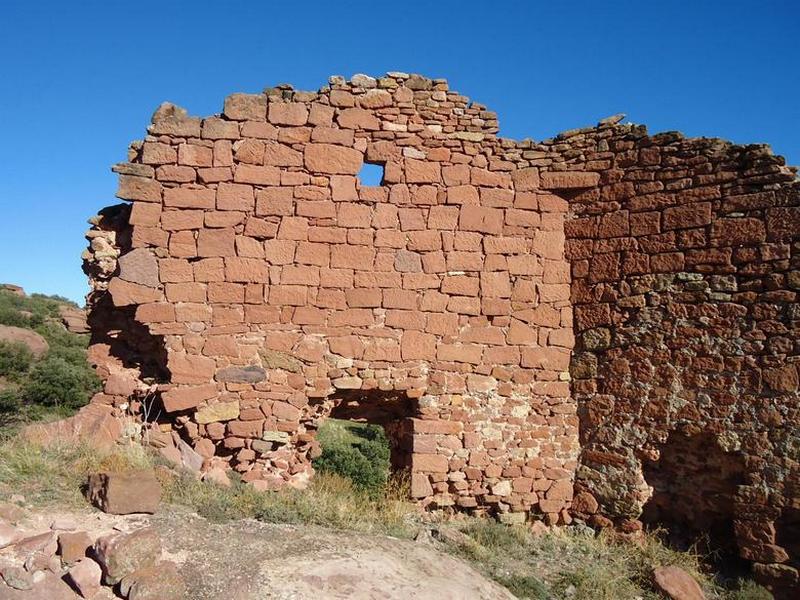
x,y
249,560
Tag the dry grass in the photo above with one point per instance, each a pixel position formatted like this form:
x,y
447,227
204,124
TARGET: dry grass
x,y
329,501
574,563
56,474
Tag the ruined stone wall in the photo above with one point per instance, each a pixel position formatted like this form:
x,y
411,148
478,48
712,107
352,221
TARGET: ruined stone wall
x,y
685,278
281,287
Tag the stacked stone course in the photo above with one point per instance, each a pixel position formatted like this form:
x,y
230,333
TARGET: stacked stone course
x,y
685,278
281,285
276,288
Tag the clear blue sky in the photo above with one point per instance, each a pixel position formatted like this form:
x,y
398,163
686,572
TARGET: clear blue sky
x,y
79,81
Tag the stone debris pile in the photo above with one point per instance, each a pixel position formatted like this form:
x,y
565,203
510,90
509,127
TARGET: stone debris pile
x,y
66,562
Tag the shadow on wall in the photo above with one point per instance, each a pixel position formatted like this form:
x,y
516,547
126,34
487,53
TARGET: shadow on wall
x,y
114,329
695,483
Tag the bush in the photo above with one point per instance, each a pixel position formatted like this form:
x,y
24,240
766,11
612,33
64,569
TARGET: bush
x,y
56,382
9,401
15,359
357,452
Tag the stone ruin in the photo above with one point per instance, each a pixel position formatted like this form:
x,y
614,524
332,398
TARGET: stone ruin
x,y
604,325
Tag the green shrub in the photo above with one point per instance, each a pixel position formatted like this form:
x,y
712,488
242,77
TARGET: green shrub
x,y
56,382
9,401
358,452
15,359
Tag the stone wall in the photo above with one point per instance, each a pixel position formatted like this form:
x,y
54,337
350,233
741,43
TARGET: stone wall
x,y
281,287
277,289
686,270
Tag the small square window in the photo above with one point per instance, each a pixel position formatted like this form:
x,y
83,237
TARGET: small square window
x,y
371,174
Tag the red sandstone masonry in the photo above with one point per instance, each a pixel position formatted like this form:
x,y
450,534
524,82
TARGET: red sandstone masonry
x,y
278,286
446,284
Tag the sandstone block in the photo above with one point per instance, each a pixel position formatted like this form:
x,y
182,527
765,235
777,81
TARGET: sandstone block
x,y
245,107
121,554
332,160
125,492
161,581
138,188
125,293
677,584
565,180
220,411
429,463
85,576
288,113
72,546
182,398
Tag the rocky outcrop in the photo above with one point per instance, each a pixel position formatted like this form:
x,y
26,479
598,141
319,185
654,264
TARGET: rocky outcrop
x,y
34,342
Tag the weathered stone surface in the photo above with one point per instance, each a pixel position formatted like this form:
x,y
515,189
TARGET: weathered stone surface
x,y
11,512
85,576
158,582
274,359
72,546
219,411
74,319
454,293
248,374
126,293
246,107
8,534
16,577
677,584
34,342
568,180
333,160
95,424
139,266
125,492
182,398
121,554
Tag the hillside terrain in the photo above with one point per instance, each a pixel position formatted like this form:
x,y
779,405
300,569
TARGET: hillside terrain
x,y
43,367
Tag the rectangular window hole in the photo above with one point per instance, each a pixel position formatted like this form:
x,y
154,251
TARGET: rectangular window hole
x,y
371,174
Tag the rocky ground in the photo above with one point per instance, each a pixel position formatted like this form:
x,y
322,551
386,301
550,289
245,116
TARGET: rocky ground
x,y
248,559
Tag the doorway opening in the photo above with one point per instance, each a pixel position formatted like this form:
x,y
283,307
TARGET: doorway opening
x,y
694,489
366,436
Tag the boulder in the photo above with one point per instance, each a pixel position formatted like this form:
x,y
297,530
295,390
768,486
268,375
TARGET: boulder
x,y
673,582
85,577
46,543
121,554
14,289
16,577
159,582
217,475
93,424
11,512
30,339
125,493
72,546
74,319
8,535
